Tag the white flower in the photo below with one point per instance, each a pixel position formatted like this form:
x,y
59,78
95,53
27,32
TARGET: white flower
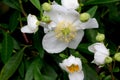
x,y
74,68
64,30
70,4
100,53
32,24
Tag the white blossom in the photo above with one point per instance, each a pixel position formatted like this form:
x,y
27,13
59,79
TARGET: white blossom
x,y
100,53
64,30
73,66
32,24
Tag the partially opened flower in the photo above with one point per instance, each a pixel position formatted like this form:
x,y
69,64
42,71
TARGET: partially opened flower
x,y
65,29
70,4
100,53
32,24
73,66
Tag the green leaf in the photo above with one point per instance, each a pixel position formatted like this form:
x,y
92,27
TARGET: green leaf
x,y
12,3
13,21
11,66
21,70
36,3
37,39
83,47
7,47
30,72
91,35
89,73
99,1
37,73
92,10
48,72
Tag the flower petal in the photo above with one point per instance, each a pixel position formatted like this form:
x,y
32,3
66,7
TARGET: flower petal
x,y
56,13
70,4
74,43
99,59
76,76
101,48
91,48
48,26
91,23
59,13
26,29
51,44
32,21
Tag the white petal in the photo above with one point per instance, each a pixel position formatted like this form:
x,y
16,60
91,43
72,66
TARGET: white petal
x,y
91,48
26,29
99,58
51,44
100,47
91,23
59,13
70,4
48,26
76,76
32,21
74,43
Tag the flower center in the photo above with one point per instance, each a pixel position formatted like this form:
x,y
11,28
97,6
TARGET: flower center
x,y
65,31
73,68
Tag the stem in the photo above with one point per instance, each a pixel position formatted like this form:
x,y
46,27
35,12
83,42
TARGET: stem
x,y
21,6
110,69
24,35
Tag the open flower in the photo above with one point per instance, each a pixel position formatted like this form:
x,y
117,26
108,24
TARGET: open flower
x,y
74,68
70,4
100,53
32,24
65,29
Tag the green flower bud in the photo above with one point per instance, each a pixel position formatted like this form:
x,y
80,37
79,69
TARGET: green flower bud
x,y
38,23
46,6
84,17
100,37
108,60
62,55
117,56
45,18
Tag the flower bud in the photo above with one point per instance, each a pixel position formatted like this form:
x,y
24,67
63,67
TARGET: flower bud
x,y
46,6
117,56
45,18
84,17
108,60
100,37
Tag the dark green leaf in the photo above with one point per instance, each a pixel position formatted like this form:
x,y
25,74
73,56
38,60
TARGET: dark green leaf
x,y
90,74
37,43
7,47
21,70
13,4
13,22
36,3
30,72
99,1
11,66
49,73
37,73
92,10
83,47
91,35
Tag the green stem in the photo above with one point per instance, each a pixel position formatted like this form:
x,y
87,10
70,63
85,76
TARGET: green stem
x,y
110,70
22,9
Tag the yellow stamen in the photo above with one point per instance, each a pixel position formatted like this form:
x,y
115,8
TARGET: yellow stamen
x,y
73,68
65,31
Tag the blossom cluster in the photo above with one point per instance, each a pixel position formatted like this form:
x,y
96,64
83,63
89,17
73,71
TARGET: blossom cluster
x,y
64,28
